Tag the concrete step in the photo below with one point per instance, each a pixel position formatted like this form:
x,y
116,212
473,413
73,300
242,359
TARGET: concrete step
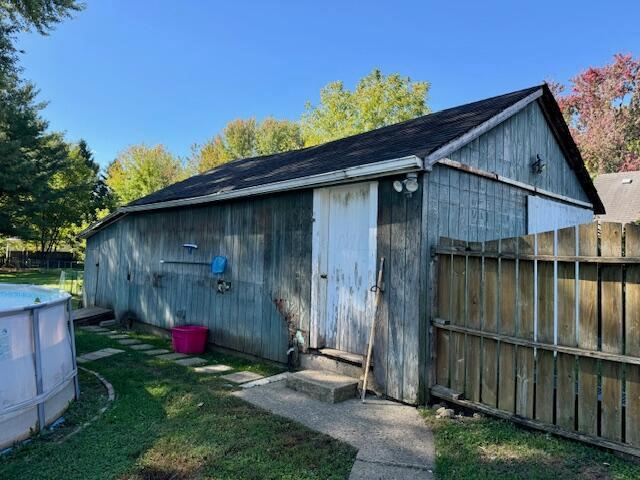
x,y
324,386
108,323
314,361
346,357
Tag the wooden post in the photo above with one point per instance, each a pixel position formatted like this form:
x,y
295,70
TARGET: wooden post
x,y
378,289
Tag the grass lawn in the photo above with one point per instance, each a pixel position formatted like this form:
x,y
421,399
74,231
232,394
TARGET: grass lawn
x,y
169,422
488,448
46,278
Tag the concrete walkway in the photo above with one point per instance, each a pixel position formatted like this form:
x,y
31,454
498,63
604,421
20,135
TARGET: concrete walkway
x,y
392,439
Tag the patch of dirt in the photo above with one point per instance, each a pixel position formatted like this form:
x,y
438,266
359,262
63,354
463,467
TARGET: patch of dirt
x,y
595,472
155,473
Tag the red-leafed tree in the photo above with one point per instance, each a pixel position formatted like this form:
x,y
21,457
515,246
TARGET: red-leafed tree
x,y
602,108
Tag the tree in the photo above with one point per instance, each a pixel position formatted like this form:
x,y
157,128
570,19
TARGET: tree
x,y
602,109
28,154
246,138
72,195
275,136
26,157
23,16
377,101
141,170
240,138
208,156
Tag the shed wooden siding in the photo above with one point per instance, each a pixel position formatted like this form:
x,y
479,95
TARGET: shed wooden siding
x,y
397,343
511,147
467,207
267,241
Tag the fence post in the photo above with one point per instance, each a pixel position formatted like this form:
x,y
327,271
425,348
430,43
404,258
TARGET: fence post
x,y
37,356
431,342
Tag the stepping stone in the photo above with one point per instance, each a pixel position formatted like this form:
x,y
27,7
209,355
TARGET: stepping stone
x,y
129,341
89,357
172,356
242,377
191,362
108,332
112,350
98,354
93,328
156,351
141,346
266,381
108,323
213,369
118,336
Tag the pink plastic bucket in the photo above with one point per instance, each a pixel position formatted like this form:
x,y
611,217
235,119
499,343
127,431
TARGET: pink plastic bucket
x,y
189,338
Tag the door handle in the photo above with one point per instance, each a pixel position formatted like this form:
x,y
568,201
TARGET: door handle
x,y
323,275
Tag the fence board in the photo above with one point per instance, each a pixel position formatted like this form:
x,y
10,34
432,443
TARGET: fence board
x,y
632,335
544,401
539,331
444,300
458,312
474,317
489,391
588,331
566,328
524,355
507,326
611,327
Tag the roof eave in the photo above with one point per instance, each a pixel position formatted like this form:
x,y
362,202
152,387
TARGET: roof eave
x,y
410,163
561,131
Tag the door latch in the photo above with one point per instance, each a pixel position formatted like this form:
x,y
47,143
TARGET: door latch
x,y
323,275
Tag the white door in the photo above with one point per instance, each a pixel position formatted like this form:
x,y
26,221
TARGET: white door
x,y
344,263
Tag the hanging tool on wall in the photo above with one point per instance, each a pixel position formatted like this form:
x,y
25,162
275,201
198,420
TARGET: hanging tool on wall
x,y
377,289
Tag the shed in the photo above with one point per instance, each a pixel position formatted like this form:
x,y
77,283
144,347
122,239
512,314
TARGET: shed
x,y
620,193
304,232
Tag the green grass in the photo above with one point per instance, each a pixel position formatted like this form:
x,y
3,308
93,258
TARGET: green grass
x,y
46,278
169,422
488,448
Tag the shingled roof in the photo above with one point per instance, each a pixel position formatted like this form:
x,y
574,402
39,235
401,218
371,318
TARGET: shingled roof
x,y
620,193
419,137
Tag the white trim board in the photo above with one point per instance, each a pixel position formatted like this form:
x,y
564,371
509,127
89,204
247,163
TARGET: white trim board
x,y
544,215
410,163
499,178
395,166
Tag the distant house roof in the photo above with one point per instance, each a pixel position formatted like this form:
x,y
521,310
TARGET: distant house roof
x,y
422,139
620,193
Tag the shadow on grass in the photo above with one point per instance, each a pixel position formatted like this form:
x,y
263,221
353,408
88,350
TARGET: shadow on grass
x,y
170,423
488,448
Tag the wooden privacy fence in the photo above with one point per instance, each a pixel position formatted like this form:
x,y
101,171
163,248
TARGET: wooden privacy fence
x,y
544,330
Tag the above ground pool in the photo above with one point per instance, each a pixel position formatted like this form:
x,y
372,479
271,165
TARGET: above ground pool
x,y
38,375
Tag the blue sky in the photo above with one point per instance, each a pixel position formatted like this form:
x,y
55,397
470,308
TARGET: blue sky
x,y
125,72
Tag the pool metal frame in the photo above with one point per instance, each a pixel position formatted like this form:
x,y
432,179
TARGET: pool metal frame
x,y
41,396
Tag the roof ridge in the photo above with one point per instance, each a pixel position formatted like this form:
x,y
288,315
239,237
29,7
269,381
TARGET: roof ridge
x,y
392,125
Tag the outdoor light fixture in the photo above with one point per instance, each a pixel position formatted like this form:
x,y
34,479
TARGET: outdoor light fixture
x,y
539,165
409,185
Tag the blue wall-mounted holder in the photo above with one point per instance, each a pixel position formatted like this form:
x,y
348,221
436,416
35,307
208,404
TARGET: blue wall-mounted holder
x,y
218,265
